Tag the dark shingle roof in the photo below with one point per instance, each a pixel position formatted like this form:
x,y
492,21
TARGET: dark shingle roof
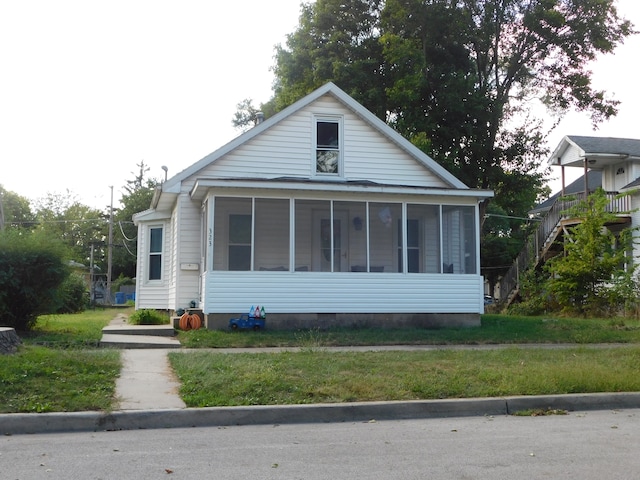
x,y
594,178
607,145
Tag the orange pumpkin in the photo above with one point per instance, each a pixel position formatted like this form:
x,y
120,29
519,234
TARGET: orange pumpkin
x,y
195,321
189,321
184,321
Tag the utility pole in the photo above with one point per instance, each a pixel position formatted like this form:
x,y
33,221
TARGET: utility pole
x,y
110,250
1,212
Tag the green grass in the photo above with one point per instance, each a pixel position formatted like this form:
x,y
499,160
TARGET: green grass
x,y
316,376
40,379
494,329
57,368
71,330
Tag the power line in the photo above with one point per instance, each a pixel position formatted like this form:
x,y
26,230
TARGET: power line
x,y
79,220
125,237
512,216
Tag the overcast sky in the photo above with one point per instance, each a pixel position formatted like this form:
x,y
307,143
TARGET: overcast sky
x,y
89,89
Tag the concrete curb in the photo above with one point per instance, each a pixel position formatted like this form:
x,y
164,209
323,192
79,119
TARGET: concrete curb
x,y
18,423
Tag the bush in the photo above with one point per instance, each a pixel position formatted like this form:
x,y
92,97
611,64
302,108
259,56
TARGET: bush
x,y
32,268
121,281
73,295
147,317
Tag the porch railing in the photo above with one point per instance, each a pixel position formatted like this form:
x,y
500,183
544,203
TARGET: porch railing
x,y
539,242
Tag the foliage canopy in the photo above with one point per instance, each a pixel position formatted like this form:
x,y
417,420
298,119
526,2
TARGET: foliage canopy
x,y
459,79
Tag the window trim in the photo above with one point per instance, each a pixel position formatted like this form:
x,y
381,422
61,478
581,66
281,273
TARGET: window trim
x,y
152,253
339,120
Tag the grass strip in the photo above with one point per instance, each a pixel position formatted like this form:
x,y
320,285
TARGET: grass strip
x,y
494,329
310,376
71,330
39,379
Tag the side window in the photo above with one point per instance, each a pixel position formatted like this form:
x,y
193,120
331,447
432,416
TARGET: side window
x,y
155,253
328,141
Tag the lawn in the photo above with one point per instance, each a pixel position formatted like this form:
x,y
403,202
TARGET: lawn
x,y
316,376
58,367
72,330
40,379
494,329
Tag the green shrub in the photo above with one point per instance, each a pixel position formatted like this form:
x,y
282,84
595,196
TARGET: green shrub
x,y
73,295
32,268
147,317
121,281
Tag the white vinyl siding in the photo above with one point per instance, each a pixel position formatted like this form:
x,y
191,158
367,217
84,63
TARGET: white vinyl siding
x,y
288,244
286,150
347,292
187,253
152,294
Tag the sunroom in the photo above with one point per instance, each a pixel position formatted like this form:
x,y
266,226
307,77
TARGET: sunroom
x,y
303,253
313,235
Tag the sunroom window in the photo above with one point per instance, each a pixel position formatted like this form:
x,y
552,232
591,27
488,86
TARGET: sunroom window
x,y
327,156
239,242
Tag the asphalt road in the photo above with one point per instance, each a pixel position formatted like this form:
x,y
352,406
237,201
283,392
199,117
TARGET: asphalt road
x,y
589,445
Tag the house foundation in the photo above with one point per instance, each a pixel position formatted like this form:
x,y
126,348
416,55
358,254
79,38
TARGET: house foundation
x,y
322,321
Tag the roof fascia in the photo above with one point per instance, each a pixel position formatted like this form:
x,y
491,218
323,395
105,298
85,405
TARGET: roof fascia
x,y
202,185
565,143
149,216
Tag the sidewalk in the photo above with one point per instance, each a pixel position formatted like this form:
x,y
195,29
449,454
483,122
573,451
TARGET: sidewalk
x,y
147,395
147,381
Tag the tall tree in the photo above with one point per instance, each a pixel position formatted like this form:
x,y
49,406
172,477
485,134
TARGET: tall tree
x,y
464,73
246,115
137,196
15,210
458,78
64,217
337,40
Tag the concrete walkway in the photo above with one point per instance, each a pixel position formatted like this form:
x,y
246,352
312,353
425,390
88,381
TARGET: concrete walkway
x,y
147,381
120,334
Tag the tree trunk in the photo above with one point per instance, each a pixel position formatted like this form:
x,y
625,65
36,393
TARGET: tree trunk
x,y
9,340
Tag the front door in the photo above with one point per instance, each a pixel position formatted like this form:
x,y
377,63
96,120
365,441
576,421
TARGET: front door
x,y
323,257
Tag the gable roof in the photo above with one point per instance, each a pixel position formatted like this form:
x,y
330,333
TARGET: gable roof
x,y
172,185
594,148
607,145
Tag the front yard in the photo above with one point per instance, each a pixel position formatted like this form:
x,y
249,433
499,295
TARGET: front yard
x,y
60,368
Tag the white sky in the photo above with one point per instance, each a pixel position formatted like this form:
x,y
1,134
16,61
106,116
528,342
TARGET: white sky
x,y
88,89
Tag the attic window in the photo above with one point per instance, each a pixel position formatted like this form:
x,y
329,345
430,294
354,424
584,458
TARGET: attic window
x,y
327,143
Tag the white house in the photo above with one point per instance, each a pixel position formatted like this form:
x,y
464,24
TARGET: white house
x,y
323,215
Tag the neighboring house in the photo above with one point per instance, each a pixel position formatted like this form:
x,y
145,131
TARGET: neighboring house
x,y
323,215
610,163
